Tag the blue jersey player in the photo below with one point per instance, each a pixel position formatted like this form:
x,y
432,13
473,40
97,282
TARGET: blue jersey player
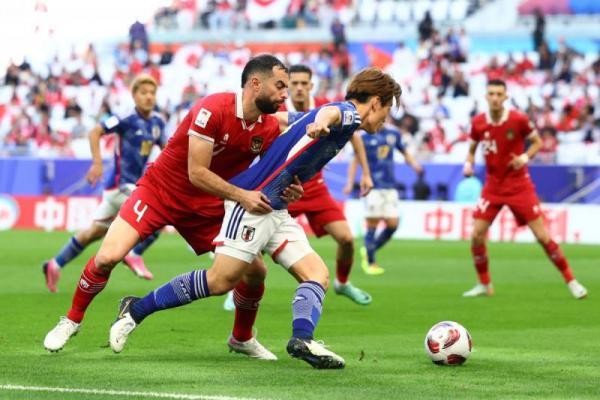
x,y
304,148
382,202
135,137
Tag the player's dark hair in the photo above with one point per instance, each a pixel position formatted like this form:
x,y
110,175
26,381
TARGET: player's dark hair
x,y
263,64
300,68
497,82
373,82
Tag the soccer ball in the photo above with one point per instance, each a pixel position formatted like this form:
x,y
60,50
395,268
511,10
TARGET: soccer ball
x,y
448,343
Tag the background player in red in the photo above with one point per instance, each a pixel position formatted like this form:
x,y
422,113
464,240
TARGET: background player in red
x,y
218,138
503,133
323,213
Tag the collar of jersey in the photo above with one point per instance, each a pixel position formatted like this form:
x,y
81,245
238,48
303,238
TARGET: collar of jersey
x,y
239,111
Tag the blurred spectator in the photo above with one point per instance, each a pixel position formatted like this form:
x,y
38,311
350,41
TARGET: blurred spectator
x,y
547,154
338,33
539,30
547,59
137,33
459,85
166,57
425,27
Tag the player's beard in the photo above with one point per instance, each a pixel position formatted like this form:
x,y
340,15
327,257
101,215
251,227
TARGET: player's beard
x,y
266,105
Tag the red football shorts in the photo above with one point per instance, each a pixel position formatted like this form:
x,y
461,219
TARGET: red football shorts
x,y
149,209
319,207
524,205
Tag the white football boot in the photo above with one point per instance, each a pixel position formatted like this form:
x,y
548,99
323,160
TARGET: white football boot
x,y
252,348
59,336
480,290
123,326
577,289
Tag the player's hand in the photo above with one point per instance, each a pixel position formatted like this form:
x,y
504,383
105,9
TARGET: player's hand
x,y
468,169
518,162
293,192
366,184
94,174
316,130
255,202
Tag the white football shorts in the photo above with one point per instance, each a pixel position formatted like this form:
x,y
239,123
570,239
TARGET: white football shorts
x,y
244,236
381,203
109,207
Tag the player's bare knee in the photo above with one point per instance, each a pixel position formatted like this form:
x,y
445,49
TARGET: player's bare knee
x,y
346,240
106,260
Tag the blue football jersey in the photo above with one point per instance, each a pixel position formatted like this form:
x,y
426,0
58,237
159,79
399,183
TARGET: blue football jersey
x,y
380,155
295,154
135,138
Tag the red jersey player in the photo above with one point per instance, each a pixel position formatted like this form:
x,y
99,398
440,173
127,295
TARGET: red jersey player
x,y
322,211
219,138
503,133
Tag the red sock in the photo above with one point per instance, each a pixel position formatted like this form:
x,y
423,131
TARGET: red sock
x,y
556,256
342,269
246,299
92,281
480,259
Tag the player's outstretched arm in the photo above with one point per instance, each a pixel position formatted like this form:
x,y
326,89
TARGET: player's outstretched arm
x,y
199,158
326,117
94,174
468,167
366,183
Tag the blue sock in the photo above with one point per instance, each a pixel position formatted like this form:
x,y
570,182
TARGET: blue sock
x,y
71,250
306,308
384,237
143,246
181,290
370,245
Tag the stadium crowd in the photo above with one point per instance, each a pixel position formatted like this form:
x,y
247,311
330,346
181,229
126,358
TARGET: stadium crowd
x,y
46,110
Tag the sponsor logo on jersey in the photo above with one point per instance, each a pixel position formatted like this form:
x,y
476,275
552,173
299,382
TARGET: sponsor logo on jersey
x,y
348,118
202,117
225,138
248,233
139,132
510,134
256,144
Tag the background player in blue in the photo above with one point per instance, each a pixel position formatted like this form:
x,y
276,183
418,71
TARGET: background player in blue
x,y
382,202
136,135
305,147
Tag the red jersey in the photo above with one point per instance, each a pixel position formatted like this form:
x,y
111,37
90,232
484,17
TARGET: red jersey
x,y
500,141
312,184
219,119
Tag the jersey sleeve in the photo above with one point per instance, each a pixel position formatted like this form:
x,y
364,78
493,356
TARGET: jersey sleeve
x,y
113,124
294,116
162,139
474,134
399,143
527,126
206,119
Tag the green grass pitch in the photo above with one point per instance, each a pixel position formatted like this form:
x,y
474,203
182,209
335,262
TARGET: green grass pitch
x,y
530,340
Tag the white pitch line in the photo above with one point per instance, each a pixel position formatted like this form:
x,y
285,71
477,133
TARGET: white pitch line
x,y
182,396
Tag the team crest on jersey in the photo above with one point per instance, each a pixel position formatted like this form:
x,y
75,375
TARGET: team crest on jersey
x,y
390,139
248,233
155,132
256,144
510,134
202,117
348,118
